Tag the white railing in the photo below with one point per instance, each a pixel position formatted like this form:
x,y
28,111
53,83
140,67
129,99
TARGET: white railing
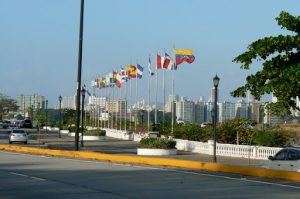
x,y
231,150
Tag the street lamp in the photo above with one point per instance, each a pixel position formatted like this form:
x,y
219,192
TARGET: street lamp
x,y
83,90
216,80
46,122
59,98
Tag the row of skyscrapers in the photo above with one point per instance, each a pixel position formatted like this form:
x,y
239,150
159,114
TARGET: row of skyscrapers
x,y
185,109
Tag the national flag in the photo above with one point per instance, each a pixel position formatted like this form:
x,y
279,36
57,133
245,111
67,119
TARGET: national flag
x,y
124,75
131,71
149,67
114,76
184,55
119,80
159,61
140,70
167,62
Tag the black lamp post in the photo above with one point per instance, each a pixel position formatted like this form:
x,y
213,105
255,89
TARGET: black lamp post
x,y
142,115
59,98
79,76
83,90
46,122
216,80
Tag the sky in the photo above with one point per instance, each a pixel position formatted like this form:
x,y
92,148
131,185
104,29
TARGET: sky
x,y
39,42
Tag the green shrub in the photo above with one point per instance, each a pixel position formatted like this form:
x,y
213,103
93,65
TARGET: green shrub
x,y
158,143
192,132
270,138
96,132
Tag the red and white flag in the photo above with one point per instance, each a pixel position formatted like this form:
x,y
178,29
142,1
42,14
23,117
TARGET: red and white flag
x,y
119,80
167,64
159,61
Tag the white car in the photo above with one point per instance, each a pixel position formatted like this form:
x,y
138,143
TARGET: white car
x,y
18,135
287,159
12,127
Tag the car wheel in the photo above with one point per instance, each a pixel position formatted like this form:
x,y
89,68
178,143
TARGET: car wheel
x,y
10,142
25,142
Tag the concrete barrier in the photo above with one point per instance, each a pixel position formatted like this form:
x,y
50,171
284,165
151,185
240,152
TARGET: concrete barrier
x,y
242,170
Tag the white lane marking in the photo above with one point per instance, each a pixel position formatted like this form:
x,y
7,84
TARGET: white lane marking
x,y
19,174
177,171
37,178
27,176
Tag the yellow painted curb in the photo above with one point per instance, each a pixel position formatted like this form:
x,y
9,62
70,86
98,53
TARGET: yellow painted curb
x,y
242,170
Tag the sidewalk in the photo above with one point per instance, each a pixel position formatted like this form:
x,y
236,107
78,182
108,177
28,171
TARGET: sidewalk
x,y
123,147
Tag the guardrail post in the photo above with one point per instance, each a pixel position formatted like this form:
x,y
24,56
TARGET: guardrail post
x,y
211,146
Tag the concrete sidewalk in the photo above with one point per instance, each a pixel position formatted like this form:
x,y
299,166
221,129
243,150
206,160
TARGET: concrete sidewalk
x,y
124,147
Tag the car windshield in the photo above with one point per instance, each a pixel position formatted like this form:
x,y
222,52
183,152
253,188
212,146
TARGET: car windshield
x,y
18,131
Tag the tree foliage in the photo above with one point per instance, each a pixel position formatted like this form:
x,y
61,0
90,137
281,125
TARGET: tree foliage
x,y
7,105
281,66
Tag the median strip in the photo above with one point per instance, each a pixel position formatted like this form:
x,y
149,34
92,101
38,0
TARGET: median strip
x,y
242,170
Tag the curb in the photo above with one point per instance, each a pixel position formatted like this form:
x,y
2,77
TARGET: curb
x,y
186,164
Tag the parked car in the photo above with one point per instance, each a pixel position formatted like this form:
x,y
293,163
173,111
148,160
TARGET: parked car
x,y
12,127
6,123
287,159
18,135
27,123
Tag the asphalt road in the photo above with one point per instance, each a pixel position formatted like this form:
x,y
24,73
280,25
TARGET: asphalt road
x,y
35,176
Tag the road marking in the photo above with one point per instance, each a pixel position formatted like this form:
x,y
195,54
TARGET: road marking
x,y
19,174
37,178
167,169
27,176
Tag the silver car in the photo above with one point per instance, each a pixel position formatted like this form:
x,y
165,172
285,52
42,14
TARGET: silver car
x,y
18,135
287,159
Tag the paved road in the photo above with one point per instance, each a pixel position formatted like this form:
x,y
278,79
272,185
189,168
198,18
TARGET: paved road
x,y
33,176
120,147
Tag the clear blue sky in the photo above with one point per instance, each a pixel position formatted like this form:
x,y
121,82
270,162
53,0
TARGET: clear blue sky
x,y
39,41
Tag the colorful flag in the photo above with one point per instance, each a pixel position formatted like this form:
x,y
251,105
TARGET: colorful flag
x,y
184,55
140,70
167,62
114,76
124,75
159,61
119,80
131,71
149,68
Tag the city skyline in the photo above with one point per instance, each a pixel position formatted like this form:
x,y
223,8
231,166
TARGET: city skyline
x,y
40,42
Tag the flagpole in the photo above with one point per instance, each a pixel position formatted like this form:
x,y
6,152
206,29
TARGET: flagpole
x,y
130,104
125,97
155,115
164,95
173,88
119,106
136,102
149,97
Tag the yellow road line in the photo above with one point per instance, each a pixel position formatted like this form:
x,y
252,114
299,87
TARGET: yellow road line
x,y
243,170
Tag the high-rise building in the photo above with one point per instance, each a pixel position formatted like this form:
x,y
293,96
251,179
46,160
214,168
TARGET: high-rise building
x,y
255,111
168,106
200,110
226,111
185,110
115,106
241,109
34,101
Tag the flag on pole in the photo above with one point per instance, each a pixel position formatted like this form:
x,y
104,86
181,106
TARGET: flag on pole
x,y
114,76
159,61
167,62
119,80
140,70
149,67
124,75
184,55
131,71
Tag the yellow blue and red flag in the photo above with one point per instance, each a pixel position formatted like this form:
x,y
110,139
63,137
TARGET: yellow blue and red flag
x,y
184,55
